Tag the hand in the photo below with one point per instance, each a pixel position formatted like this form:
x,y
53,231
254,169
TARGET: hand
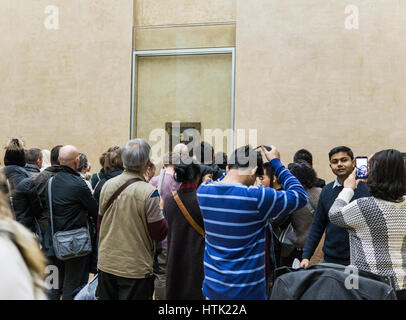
x,y
304,263
270,155
352,181
207,177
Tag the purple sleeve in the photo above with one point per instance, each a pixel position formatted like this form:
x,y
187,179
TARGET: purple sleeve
x,y
154,181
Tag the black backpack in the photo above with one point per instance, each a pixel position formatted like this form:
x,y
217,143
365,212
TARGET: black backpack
x,y
330,281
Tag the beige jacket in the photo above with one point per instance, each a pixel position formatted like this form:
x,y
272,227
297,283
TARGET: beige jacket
x,y
125,245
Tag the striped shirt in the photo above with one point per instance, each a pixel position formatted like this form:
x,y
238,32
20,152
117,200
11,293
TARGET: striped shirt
x,y
234,218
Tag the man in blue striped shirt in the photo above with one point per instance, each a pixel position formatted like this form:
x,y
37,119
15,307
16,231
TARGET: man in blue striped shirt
x,y
235,214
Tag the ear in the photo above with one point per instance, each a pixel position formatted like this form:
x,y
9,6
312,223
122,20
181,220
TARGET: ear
x,y
254,170
274,180
353,163
227,169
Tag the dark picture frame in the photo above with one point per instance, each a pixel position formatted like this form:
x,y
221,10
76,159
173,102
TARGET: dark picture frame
x,y
177,133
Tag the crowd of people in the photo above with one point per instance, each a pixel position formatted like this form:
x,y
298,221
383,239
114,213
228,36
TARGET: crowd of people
x,y
205,226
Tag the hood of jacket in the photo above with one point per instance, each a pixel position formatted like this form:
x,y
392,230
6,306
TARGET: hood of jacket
x,y
113,173
15,174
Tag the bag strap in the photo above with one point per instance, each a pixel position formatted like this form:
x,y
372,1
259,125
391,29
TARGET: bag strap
x,y
117,193
187,215
50,204
95,187
310,208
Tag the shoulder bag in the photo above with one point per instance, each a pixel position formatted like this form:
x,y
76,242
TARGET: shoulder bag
x,y
71,243
187,215
284,235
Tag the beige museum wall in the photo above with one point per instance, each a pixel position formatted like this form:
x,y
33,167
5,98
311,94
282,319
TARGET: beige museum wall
x,y
66,86
166,12
304,80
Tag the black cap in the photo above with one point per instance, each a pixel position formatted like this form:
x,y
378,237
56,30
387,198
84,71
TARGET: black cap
x,y
15,154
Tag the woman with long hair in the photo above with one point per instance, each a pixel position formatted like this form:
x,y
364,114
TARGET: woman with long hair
x,y
377,224
22,264
184,273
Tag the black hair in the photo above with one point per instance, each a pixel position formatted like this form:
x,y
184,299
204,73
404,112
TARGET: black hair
x,y
204,170
386,179
246,157
220,158
341,149
269,170
187,171
303,155
55,155
304,173
32,155
204,152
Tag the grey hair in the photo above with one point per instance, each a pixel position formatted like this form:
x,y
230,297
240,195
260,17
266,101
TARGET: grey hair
x,y
135,155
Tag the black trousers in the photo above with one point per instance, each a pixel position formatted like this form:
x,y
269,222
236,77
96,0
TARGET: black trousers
x,y
401,294
288,261
111,287
69,274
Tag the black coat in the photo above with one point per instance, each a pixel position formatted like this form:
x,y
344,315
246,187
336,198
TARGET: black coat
x,y
329,282
72,202
108,175
14,175
25,201
41,181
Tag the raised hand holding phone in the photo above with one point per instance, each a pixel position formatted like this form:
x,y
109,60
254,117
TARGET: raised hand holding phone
x,y
361,164
352,181
272,154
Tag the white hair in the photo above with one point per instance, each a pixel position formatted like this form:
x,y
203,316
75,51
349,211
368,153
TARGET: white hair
x,y
135,155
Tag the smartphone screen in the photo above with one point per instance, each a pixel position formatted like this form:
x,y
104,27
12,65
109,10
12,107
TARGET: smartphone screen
x,y
361,164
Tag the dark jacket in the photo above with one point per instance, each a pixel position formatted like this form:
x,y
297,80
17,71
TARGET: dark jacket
x,y
184,268
217,171
109,174
96,177
25,201
14,175
41,181
336,244
72,202
328,282
319,183
302,219
32,170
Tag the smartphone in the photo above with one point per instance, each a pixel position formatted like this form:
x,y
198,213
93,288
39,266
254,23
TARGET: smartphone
x,y
267,148
361,163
